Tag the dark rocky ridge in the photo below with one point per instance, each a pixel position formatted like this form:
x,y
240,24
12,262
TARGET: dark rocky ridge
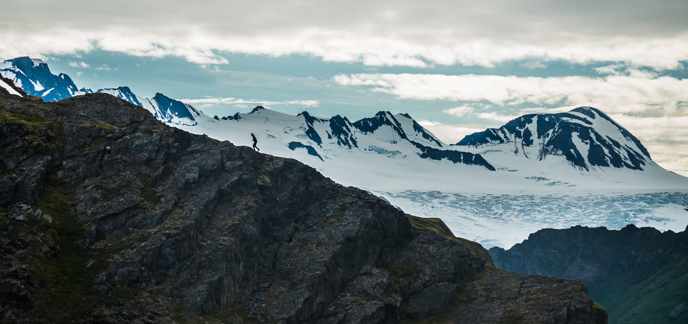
x,y
148,223
639,274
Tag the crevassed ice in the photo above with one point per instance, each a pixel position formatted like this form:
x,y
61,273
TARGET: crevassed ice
x,y
504,219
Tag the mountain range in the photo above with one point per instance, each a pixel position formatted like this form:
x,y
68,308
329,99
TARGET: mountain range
x,y
490,187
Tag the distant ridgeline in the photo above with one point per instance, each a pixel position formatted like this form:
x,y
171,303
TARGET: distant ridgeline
x,y
35,78
640,275
585,137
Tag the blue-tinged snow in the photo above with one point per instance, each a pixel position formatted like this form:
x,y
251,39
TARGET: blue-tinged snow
x,y
170,111
35,78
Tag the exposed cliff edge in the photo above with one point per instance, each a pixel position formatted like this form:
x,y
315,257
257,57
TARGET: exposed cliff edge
x,y
108,215
639,274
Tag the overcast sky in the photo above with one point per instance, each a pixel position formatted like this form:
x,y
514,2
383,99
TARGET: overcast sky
x,y
457,66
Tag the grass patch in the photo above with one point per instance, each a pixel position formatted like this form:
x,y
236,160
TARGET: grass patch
x,y
338,214
235,314
150,195
102,125
96,145
595,305
115,190
434,224
404,270
66,280
32,122
512,316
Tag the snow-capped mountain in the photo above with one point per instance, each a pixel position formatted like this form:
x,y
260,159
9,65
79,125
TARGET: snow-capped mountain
x,y
168,110
495,187
582,148
34,76
585,136
331,140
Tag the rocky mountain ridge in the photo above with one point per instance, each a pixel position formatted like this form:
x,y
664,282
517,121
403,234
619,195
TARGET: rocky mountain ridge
x,y
639,274
149,224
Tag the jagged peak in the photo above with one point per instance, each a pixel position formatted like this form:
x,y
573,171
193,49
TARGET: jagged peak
x,y
26,63
258,108
577,134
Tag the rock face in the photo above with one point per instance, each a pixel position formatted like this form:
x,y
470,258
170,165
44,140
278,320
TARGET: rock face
x,y
638,274
148,223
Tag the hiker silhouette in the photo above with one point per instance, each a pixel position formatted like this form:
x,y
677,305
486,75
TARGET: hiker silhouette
x,y
255,142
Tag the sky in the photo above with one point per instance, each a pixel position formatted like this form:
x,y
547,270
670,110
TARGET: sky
x,y
455,66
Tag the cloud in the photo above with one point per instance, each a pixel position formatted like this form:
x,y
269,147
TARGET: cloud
x,y
105,67
243,102
435,32
81,65
534,65
465,110
641,93
450,133
613,69
496,116
458,111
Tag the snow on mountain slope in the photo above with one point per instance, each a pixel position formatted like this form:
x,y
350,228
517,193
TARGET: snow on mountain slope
x,y
35,78
168,110
396,144
585,136
385,144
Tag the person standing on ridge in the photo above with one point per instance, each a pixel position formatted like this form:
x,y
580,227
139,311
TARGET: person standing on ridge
x,y
255,142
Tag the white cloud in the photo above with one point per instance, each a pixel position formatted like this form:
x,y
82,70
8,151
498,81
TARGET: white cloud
x,y
534,65
105,67
81,65
613,69
496,116
439,32
450,133
636,93
244,102
459,111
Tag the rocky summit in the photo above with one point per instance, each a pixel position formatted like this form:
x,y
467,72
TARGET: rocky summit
x,y
110,216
